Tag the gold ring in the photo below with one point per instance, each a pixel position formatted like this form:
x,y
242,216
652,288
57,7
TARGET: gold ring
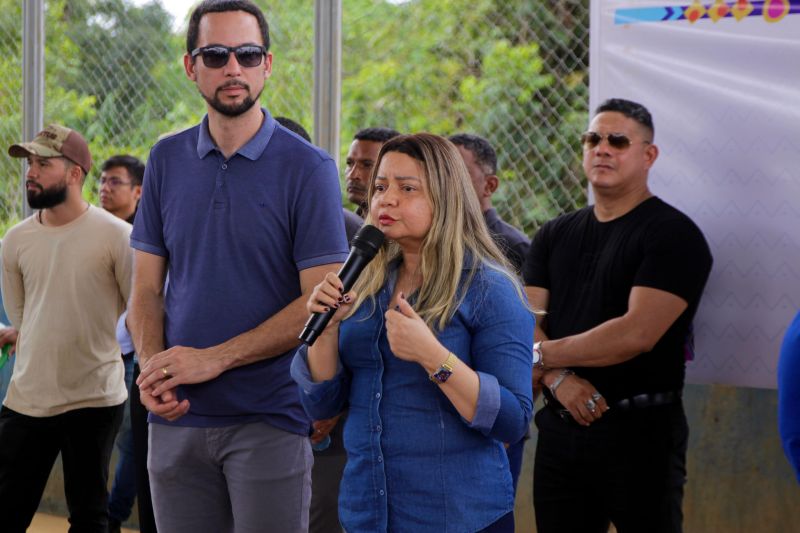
x,y
164,371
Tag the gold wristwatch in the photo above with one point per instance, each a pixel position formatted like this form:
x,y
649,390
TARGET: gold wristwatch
x,y
445,370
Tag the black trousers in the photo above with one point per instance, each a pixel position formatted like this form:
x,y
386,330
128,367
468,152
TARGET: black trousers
x,y
139,427
326,475
29,447
628,468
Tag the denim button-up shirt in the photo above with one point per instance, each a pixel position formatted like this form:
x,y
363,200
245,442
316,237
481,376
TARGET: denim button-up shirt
x,y
414,464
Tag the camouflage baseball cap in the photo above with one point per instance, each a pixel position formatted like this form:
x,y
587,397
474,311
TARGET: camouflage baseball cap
x,y
56,141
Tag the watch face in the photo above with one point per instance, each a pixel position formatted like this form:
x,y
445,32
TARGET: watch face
x,y
537,354
441,375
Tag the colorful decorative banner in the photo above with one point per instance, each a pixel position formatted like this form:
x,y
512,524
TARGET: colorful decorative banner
x,y
771,10
726,107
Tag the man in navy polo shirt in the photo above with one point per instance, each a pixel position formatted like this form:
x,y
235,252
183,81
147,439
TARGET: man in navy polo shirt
x,y
246,219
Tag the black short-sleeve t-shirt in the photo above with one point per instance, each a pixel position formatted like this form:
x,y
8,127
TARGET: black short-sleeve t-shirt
x,y
589,268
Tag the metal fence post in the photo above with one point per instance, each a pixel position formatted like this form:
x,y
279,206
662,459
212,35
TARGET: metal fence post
x,y
327,75
33,77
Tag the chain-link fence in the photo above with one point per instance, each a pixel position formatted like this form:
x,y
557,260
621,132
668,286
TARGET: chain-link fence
x,y
114,72
514,71
10,109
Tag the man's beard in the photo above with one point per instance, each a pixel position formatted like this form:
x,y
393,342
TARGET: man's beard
x,y
47,198
232,110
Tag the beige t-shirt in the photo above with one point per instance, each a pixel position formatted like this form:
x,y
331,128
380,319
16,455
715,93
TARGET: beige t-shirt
x,y
64,288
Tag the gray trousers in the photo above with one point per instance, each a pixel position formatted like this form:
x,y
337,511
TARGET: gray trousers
x,y
240,479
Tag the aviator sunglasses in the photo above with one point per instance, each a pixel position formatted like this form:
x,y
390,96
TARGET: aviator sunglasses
x,y
216,56
618,141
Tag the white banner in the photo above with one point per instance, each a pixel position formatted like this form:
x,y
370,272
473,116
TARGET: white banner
x,y
722,80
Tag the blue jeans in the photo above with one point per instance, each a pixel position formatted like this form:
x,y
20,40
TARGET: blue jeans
x,y
123,490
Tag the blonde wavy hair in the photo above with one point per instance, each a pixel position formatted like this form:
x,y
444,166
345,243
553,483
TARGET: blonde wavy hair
x,y
457,230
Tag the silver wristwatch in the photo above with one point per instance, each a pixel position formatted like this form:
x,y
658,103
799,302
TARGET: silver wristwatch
x,y
538,356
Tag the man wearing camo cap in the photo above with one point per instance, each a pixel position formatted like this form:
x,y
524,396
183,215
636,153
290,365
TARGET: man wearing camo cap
x,y
66,278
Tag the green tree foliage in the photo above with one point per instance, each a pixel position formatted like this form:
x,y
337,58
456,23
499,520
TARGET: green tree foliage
x,y
513,71
114,73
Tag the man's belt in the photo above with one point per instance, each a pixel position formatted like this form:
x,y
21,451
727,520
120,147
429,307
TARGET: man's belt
x,y
640,401
654,399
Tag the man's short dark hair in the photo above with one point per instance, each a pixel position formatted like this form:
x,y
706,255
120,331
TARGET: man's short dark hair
x,y
380,135
222,6
293,126
480,148
633,110
133,165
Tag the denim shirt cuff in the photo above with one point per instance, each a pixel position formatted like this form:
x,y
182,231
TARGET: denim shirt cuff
x,y
488,403
316,391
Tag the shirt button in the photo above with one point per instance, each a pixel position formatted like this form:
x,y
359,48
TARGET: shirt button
x,y
377,428
381,492
380,458
378,395
224,166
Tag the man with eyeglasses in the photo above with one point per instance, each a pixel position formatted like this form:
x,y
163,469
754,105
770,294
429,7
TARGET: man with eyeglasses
x,y
66,277
620,281
121,186
246,219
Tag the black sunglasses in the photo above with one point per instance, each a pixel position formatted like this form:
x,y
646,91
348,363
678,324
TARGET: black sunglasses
x,y
618,141
216,56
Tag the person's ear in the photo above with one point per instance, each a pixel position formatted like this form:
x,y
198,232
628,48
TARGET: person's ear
x,y
267,65
189,67
650,155
75,175
490,184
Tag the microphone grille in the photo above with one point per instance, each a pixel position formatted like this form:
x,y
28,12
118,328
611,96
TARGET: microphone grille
x,y
368,239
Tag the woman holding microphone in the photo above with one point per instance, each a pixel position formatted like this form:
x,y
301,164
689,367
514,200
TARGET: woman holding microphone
x,y
431,351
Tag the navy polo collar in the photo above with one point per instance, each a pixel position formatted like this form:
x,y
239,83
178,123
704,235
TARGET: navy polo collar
x,y
251,150
491,216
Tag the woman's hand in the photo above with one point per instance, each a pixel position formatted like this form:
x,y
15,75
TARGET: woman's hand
x,y
582,400
328,295
410,338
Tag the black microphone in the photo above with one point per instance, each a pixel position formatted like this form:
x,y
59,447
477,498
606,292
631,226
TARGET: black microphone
x,y
364,246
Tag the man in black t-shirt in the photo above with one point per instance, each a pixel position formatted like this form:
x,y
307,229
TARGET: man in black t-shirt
x,y
620,281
